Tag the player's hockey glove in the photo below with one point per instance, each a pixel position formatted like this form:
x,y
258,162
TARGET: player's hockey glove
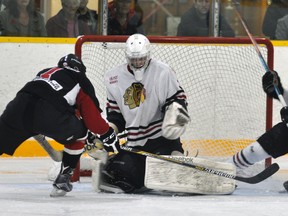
x,y
284,114
110,141
90,141
269,80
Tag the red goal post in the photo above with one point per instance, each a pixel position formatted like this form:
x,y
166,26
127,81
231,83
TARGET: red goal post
x,y
222,79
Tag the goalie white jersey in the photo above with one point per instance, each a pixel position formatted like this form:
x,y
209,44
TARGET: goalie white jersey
x,y
138,107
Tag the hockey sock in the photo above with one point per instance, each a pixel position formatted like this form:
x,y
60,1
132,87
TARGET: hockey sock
x,y
249,155
72,153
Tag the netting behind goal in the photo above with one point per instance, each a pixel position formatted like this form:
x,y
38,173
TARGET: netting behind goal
x,y
222,79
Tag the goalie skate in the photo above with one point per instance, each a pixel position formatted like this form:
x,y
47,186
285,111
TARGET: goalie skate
x,y
56,192
97,181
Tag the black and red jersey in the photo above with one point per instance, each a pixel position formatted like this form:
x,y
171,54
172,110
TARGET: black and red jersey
x,y
68,90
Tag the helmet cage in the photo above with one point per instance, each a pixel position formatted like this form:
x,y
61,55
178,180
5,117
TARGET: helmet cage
x,y
138,61
138,54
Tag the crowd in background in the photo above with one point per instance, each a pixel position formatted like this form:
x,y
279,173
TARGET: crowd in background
x,y
21,18
125,17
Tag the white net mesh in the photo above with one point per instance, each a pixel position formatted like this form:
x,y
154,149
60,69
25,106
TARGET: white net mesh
x,y
222,80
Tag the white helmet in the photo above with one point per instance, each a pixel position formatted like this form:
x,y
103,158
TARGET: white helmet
x,y
138,54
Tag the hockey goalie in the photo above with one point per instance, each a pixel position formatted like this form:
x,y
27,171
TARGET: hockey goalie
x,y
161,175
145,99
164,176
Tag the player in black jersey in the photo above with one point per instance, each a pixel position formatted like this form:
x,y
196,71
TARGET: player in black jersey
x,y
274,142
60,103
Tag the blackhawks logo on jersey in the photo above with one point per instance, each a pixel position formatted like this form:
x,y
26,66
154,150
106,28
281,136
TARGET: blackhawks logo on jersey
x,y
134,95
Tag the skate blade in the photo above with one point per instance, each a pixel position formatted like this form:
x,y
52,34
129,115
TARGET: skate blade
x,y
57,192
110,189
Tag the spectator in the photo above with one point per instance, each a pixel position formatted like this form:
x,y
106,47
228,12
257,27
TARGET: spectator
x,y
282,29
88,16
123,19
21,19
195,21
66,23
275,11
3,4
138,8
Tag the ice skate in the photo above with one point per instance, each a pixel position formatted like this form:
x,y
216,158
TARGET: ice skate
x,y
62,183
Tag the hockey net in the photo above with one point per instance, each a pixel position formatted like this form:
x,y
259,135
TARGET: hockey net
x,y
222,80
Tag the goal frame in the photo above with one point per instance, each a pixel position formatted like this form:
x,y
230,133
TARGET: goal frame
x,y
205,40
194,40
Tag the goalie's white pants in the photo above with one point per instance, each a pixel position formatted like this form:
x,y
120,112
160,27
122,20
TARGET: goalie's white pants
x,y
163,175
167,176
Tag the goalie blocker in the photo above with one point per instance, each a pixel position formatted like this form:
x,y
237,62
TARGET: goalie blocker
x,y
165,176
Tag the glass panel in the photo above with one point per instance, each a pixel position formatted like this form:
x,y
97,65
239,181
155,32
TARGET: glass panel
x,y
159,17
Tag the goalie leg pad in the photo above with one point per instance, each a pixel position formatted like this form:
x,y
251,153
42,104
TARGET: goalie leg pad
x,y
163,175
97,168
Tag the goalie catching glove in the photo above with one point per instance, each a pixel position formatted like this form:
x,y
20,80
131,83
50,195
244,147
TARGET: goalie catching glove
x,y
175,121
269,80
110,141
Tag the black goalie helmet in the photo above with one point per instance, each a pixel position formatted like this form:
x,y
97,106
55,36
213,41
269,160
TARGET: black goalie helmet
x,y
72,62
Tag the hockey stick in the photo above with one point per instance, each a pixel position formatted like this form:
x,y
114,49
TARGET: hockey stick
x,y
264,64
54,154
57,155
269,171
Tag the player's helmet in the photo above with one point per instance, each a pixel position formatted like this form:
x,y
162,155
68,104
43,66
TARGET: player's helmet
x,y
72,62
138,54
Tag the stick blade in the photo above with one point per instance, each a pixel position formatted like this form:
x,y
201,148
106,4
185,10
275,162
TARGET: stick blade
x,y
266,173
54,154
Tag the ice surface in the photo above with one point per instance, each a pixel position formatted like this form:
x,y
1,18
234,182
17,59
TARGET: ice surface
x,y
24,190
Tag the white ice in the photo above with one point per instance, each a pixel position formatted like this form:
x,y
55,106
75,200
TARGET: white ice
x,y
24,190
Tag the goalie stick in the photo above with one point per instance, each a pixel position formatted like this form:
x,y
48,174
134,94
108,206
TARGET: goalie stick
x,y
269,171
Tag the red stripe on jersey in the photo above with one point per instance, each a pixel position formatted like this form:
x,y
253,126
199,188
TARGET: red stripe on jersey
x,y
49,73
182,96
144,132
112,107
